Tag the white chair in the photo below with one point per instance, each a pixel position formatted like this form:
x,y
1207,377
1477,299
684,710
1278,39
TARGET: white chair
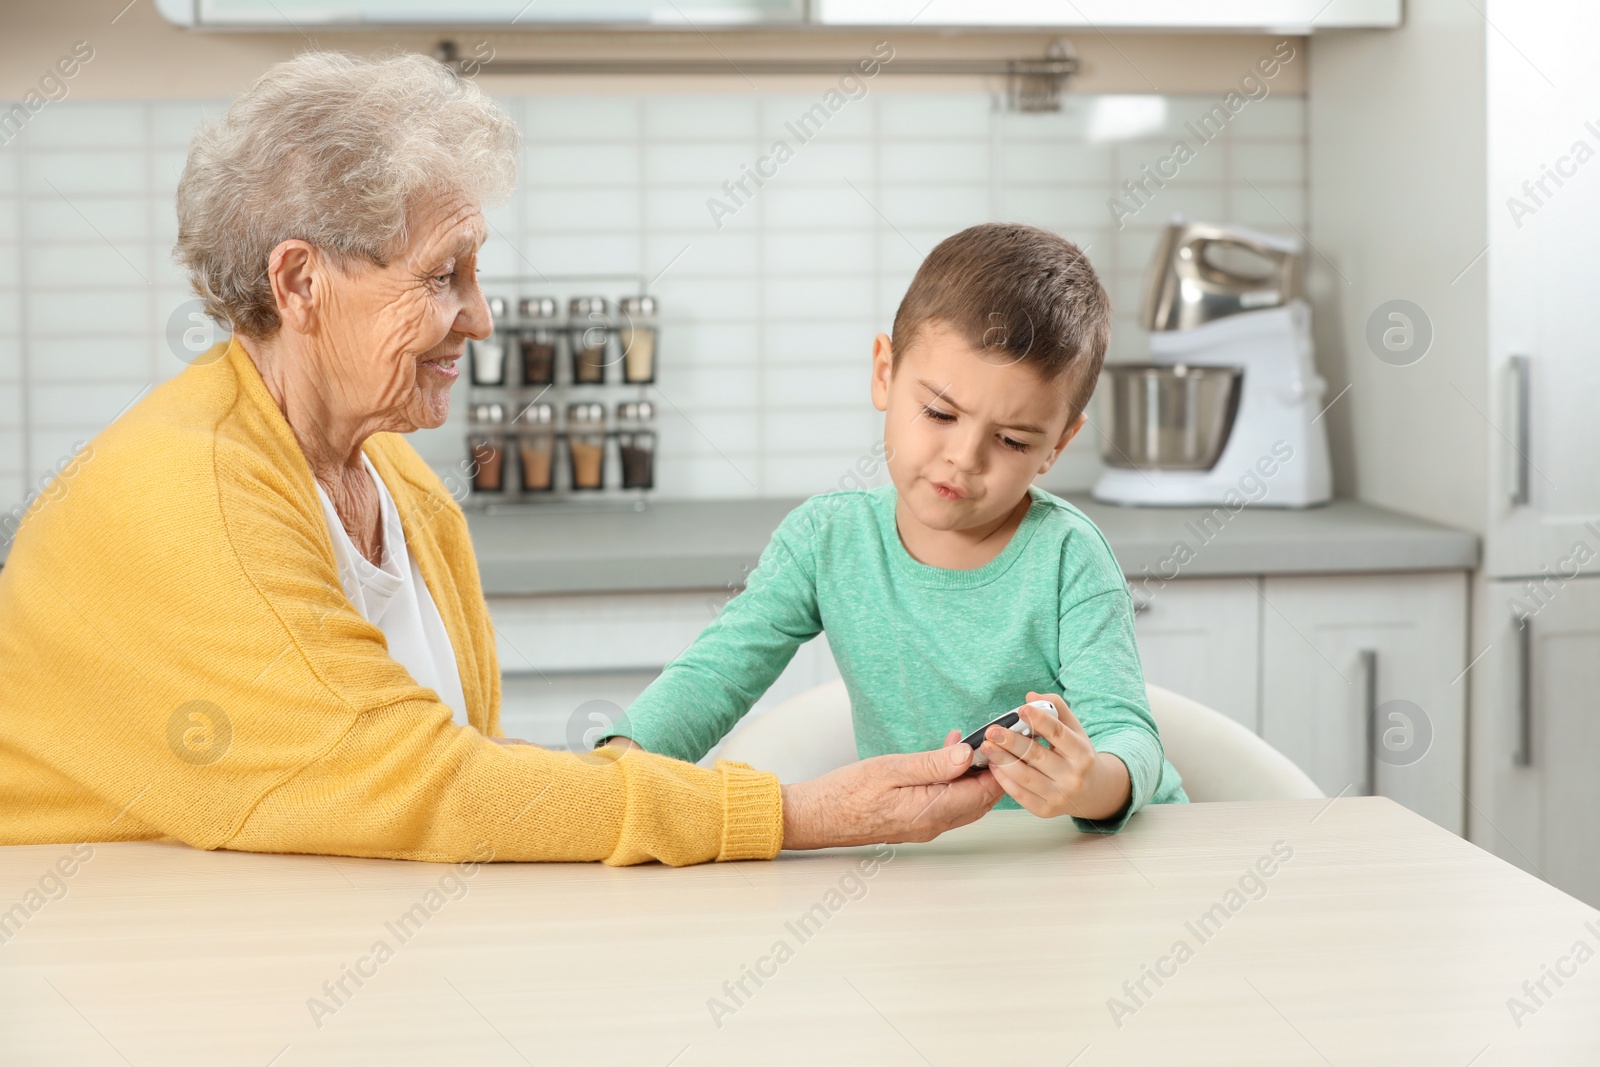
x,y
811,734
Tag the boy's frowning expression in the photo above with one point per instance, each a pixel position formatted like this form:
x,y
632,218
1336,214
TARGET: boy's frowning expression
x,y
965,432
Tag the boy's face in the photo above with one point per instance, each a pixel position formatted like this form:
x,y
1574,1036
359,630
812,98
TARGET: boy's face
x,y
966,433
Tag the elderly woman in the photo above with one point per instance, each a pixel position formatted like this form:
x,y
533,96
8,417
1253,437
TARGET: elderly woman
x,y
252,619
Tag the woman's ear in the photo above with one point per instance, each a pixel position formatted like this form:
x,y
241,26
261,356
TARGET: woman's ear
x,y
291,270
882,370
1073,426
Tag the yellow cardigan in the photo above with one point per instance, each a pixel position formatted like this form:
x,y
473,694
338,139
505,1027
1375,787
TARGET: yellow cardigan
x,y
178,659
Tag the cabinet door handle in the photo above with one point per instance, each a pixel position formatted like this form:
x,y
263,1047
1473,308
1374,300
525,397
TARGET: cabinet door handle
x,y
1523,755
1369,678
1522,433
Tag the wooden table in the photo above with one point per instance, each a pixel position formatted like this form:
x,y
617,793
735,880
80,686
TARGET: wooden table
x,y
1376,938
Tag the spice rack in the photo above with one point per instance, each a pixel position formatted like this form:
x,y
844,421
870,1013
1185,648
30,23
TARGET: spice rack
x,y
557,397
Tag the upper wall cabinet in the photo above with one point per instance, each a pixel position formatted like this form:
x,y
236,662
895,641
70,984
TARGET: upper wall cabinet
x,y
367,14
1264,16
1240,16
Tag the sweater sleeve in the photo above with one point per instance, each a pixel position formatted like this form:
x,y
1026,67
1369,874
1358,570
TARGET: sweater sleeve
x,y
402,783
705,691
1103,685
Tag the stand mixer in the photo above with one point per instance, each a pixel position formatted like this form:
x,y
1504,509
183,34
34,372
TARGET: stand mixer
x,y
1226,411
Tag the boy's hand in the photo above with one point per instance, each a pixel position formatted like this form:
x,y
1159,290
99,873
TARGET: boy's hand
x,y
1068,778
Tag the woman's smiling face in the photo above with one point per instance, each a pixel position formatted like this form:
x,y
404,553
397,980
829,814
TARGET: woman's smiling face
x,y
398,331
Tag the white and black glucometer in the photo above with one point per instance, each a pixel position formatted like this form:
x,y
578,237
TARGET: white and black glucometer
x,y
1011,720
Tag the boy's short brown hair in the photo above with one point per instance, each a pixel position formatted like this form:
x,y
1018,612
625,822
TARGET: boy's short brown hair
x,y
1018,293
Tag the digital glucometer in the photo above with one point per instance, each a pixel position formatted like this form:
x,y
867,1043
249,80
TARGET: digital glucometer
x,y
1011,720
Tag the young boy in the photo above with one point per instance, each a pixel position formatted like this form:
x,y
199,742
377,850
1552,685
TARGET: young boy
x,y
961,590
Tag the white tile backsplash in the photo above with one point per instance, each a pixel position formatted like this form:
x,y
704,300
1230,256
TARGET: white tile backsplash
x,y
782,112
936,162
102,125
793,253
698,254
11,312
823,384
796,345
701,116
705,164
86,173
837,296
50,218
559,164
934,115
582,210
829,160
11,364
566,118
767,318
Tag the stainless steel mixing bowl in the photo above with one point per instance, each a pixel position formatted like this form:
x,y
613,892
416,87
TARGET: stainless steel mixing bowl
x,y
1167,416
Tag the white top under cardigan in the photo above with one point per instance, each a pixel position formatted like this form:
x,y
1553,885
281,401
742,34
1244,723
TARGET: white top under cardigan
x,y
395,599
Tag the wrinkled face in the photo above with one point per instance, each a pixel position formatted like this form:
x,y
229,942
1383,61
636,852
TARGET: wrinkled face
x,y
396,332
965,433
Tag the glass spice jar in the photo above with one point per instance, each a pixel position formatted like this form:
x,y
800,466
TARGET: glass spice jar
x,y
636,443
536,448
586,444
489,360
486,442
637,335
589,333
540,330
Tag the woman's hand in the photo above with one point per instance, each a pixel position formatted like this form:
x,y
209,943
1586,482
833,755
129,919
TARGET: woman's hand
x,y
1068,778
913,797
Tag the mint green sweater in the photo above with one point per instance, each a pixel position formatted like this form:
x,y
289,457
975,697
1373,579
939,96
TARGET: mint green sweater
x,y
923,649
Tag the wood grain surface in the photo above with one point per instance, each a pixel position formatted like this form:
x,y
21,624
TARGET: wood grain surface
x,y
1376,938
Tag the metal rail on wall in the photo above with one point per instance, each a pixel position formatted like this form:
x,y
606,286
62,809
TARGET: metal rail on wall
x,y
1031,84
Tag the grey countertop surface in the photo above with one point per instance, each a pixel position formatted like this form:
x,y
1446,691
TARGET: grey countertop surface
x,y
605,547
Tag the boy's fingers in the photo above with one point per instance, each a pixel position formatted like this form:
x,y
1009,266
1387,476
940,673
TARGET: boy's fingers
x,y
1019,791
1022,772
1053,729
1012,745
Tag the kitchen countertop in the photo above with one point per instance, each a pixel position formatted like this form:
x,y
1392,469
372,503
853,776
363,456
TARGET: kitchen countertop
x,y
604,547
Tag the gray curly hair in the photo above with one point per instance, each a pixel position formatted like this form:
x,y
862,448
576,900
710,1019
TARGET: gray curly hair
x,y
332,149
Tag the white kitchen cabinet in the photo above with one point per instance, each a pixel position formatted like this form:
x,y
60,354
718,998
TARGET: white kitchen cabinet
x,y
1282,656
1543,265
1362,685
564,660
1201,637
1455,170
1261,16
1537,731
